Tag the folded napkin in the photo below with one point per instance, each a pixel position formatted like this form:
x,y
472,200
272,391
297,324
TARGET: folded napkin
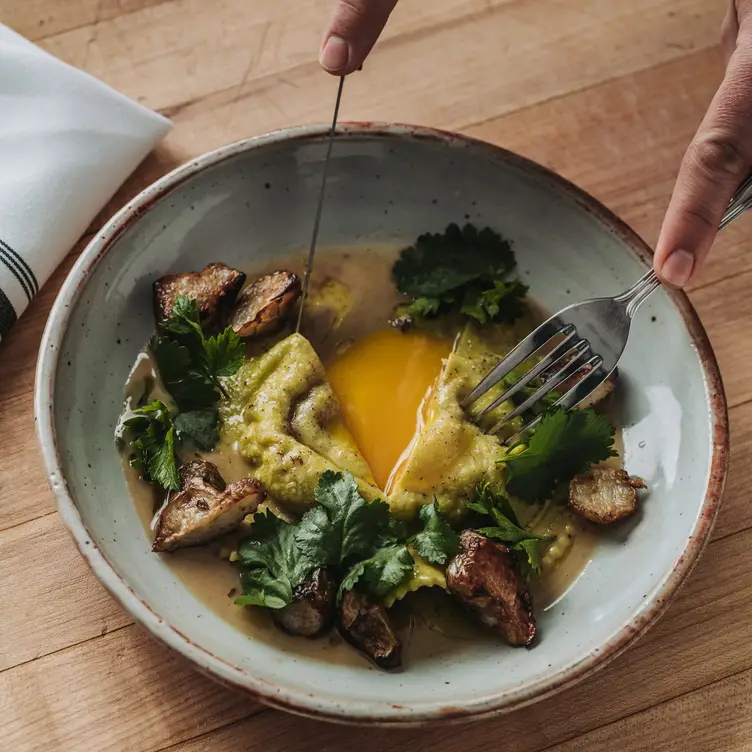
x,y
67,142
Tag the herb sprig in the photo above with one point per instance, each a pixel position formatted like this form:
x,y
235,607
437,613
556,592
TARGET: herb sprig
x,y
563,445
507,528
357,540
151,433
461,269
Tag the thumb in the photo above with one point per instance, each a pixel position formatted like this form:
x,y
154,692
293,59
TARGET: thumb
x,y
352,32
715,163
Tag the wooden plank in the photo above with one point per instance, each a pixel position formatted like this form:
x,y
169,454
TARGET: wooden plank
x,y
728,338
716,717
263,64
50,598
38,18
122,691
156,56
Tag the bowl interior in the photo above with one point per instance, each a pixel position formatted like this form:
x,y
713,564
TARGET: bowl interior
x,y
387,186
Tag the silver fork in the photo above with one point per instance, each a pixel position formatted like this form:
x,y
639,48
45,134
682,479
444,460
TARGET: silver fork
x,y
593,335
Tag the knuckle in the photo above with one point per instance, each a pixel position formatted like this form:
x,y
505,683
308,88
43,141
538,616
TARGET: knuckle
x,y
701,214
352,11
719,153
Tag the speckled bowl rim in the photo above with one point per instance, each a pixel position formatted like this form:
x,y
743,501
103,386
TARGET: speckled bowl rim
x,y
345,710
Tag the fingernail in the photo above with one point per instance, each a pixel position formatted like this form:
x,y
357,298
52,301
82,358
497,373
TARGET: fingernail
x,y
335,54
677,268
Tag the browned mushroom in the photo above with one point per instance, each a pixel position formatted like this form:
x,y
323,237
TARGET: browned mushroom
x,y
604,494
264,305
312,611
205,508
215,288
368,628
486,577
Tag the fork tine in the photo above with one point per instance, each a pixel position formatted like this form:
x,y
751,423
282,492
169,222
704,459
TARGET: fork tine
x,y
531,344
561,352
570,368
593,378
583,388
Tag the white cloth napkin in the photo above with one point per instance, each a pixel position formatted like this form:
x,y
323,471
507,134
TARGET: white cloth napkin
x,y
67,142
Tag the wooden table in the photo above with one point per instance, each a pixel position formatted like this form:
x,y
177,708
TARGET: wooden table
x,y
608,94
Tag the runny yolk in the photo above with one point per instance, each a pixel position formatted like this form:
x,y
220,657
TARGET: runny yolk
x,y
380,382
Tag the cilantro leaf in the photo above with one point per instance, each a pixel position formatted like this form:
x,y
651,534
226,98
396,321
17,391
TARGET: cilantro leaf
x,y
507,528
191,365
531,550
439,263
151,433
199,427
503,301
381,573
437,542
224,353
460,269
563,445
272,563
191,389
344,526
185,318
427,308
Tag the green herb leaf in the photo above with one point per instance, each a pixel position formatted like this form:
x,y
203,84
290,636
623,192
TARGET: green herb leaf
x,y
151,433
185,318
344,526
502,301
507,528
532,551
381,573
460,269
427,308
190,365
224,353
437,542
442,262
189,388
199,428
563,445
272,562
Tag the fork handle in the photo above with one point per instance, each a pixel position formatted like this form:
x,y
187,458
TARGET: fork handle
x,y
641,290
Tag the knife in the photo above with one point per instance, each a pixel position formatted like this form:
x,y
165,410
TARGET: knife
x,y
320,207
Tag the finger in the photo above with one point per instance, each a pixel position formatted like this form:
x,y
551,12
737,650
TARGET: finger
x,y
354,29
729,31
715,163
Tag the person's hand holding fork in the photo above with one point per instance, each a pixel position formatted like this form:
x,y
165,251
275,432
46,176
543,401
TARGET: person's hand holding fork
x,y
717,160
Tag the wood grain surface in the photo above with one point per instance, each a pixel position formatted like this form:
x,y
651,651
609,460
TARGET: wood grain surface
x,y
606,93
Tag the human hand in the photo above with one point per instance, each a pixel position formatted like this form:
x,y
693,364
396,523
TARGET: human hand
x,y
352,32
717,160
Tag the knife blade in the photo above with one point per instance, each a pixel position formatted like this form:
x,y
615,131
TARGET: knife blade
x,y
320,206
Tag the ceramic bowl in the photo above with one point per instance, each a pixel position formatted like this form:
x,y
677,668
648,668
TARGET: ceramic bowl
x,y
249,202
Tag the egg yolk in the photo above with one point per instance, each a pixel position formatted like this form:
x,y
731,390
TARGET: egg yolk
x,y
381,382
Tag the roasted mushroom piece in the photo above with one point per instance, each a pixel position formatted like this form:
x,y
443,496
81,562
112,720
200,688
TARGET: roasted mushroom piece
x,y
264,305
312,611
205,507
367,627
215,288
485,576
604,494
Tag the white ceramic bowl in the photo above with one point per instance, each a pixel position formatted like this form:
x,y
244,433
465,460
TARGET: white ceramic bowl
x,y
248,202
